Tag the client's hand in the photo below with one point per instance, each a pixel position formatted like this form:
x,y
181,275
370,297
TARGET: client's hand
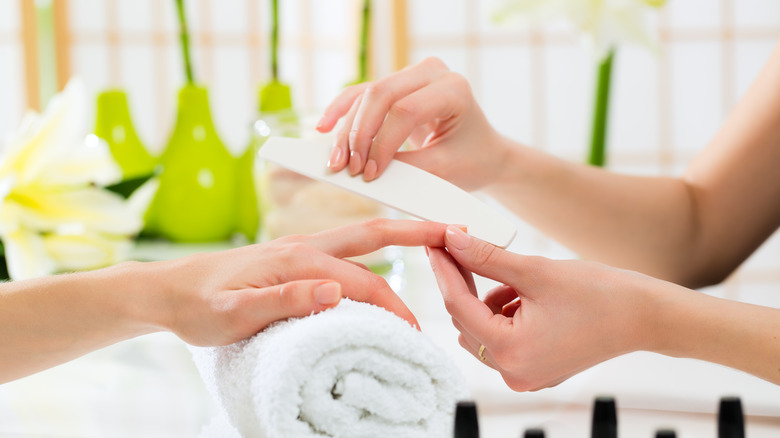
x,y
205,299
220,298
550,319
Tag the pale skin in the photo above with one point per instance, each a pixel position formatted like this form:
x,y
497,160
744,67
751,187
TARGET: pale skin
x,y
693,230
205,299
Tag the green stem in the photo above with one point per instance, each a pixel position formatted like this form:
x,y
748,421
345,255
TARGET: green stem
x,y
601,112
364,33
274,40
185,42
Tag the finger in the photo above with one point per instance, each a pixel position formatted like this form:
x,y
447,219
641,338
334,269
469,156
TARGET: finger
x,y
483,258
299,298
510,309
472,313
356,283
468,278
437,101
499,297
378,99
339,156
366,237
339,106
473,346
459,327
358,264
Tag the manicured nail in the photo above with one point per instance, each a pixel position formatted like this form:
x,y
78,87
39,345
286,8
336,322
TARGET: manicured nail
x,y
458,238
327,294
354,163
335,158
369,173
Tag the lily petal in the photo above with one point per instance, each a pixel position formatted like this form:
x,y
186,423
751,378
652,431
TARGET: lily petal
x,y
26,255
86,251
49,209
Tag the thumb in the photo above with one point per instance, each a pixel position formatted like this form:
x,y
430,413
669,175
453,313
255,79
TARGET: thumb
x,y
293,299
481,257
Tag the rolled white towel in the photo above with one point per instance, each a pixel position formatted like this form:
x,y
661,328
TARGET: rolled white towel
x,y
356,370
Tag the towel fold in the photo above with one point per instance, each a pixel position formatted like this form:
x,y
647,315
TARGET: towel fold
x,y
356,370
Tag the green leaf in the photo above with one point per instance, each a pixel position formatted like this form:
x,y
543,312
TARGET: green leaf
x,y
126,187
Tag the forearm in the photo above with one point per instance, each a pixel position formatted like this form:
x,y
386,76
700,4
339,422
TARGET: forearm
x,y
738,335
49,321
639,223
694,230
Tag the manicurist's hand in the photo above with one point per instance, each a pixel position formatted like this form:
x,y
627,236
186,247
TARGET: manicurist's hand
x,y
205,299
549,319
430,106
552,319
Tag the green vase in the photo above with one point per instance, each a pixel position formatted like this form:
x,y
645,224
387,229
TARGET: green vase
x,y
196,199
114,125
247,205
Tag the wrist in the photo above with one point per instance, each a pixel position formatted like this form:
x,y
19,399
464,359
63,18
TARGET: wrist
x,y
511,164
667,324
137,291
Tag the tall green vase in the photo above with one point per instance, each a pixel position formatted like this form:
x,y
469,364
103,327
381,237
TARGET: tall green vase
x,y
196,200
247,207
114,125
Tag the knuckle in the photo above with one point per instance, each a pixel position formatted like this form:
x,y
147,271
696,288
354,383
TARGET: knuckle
x,y
294,250
501,357
483,254
457,82
377,226
435,63
376,89
290,296
403,111
377,230
377,284
292,239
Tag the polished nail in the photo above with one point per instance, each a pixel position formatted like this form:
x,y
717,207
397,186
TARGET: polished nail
x,y
335,158
327,294
458,238
354,163
369,173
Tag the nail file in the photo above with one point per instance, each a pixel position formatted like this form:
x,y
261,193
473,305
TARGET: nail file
x,y
402,186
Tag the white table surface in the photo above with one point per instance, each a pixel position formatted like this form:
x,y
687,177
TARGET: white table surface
x,y
149,387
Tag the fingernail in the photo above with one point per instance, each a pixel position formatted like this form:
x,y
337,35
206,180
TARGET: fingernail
x,y
369,173
458,238
354,163
335,157
327,294
426,250
320,123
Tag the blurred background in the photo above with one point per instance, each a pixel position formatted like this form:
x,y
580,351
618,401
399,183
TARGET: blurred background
x,y
535,85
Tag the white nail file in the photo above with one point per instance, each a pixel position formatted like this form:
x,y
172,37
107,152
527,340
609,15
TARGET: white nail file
x,y
402,186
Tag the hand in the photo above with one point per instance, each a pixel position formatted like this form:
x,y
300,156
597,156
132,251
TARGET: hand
x,y
220,298
550,319
430,106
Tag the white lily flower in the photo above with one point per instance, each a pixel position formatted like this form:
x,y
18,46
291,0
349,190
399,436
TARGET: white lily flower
x,y
53,214
603,23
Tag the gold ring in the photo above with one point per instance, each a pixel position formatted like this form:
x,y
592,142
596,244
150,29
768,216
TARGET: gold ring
x,y
482,350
